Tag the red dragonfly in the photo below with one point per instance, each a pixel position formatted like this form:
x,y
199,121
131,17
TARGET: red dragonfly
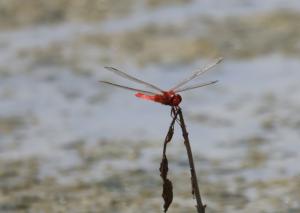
x,y
167,97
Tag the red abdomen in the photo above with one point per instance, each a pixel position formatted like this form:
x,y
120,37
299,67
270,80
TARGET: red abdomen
x,y
155,98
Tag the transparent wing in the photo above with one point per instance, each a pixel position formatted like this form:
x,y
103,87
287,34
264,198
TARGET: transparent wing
x,y
196,74
128,88
129,77
195,86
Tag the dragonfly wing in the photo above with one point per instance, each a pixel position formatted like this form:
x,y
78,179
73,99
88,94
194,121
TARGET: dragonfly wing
x,y
128,88
195,86
129,77
196,74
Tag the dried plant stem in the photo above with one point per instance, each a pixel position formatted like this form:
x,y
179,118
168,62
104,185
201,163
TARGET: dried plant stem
x,y
167,193
167,184
195,187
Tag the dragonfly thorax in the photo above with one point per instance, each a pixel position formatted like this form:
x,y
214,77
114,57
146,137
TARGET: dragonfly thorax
x,y
176,100
173,98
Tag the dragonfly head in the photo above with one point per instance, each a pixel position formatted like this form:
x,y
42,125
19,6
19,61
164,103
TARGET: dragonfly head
x,y
175,100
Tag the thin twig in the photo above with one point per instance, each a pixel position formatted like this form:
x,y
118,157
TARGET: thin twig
x,y
195,187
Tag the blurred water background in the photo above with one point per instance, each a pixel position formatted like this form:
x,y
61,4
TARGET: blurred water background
x,y
69,144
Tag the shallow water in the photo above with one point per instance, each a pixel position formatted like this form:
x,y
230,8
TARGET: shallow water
x,y
70,144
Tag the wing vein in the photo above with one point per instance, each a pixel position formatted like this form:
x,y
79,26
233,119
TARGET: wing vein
x,y
196,74
129,77
195,86
128,88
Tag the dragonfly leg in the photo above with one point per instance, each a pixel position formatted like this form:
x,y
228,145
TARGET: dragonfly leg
x,y
174,112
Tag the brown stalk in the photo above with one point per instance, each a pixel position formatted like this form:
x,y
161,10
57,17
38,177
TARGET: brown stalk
x,y
195,187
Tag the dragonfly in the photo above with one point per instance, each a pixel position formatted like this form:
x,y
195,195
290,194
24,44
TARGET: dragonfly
x,y
169,97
